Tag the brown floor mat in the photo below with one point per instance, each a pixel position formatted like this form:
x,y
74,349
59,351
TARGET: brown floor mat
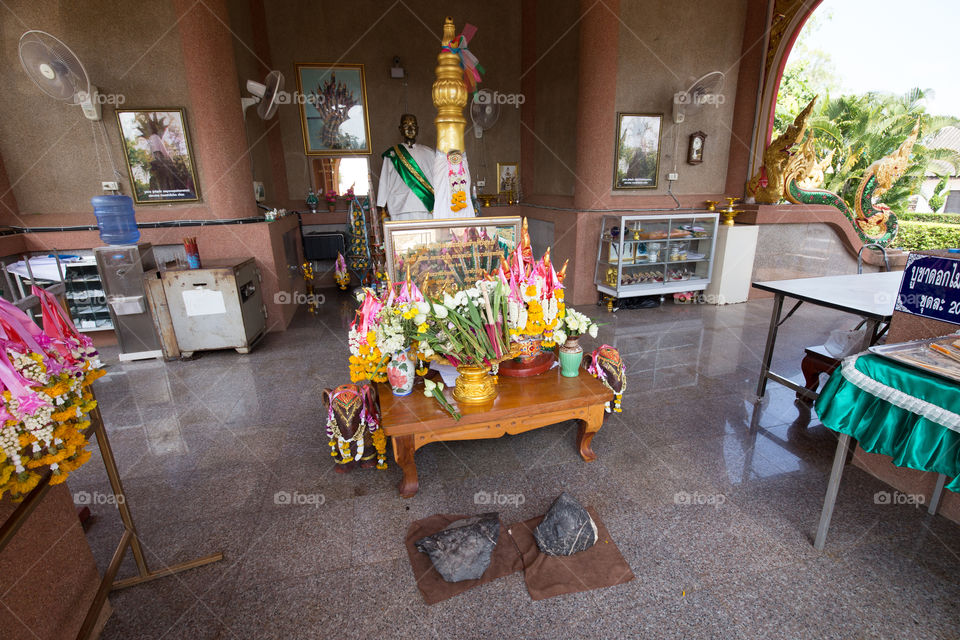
x,y
503,561
546,576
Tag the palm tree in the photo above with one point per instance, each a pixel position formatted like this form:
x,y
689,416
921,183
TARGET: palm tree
x,y
863,129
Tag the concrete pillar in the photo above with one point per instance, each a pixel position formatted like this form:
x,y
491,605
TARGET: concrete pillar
x,y
596,131
9,209
528,87
596,102
278,164
226,176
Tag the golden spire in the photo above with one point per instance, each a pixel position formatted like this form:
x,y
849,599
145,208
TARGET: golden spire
x,y
449,95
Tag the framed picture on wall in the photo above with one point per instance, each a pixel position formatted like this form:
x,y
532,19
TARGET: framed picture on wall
x,y
333,109
508,177
156,146
637,163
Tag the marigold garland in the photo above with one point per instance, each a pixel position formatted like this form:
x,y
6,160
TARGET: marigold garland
x,y
46,395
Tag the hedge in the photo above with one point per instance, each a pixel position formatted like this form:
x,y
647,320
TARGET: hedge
x,y
945,218
914,236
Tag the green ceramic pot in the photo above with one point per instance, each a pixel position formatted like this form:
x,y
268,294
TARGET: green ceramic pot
x,y
571,355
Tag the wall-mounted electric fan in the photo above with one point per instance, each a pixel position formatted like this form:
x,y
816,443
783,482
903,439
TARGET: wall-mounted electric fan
x,y
58,72
265,95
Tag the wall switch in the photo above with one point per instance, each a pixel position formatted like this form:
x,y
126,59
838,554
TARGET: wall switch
x,y
672,176
110,186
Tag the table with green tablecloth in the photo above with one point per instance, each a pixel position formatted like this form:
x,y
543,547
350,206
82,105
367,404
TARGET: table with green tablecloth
x,y
892,409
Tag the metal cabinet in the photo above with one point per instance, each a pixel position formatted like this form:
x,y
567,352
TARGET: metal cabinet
x,y
655,254
217,307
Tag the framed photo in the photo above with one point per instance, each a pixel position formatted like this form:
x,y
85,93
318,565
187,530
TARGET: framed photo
x,y
508,177
637,164
449,253
333,109
156,146
695,149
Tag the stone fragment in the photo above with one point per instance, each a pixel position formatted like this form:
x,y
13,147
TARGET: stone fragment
x,y
566,529
462,552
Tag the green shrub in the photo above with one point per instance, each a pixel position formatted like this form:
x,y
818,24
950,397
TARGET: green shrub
x,y
944,218
915,236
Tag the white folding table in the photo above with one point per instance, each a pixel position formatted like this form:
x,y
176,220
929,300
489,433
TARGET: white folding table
x,y
868,295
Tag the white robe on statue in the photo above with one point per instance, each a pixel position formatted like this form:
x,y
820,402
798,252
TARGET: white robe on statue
x,y
441,189
401,202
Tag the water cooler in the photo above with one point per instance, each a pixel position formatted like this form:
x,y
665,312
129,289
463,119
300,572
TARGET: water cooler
x,y
121,270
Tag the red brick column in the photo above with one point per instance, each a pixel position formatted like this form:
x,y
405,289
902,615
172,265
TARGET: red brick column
x,y
215,118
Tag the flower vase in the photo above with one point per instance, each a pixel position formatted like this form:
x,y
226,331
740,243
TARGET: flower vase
x,y
571,354
312,201
331,207
401,373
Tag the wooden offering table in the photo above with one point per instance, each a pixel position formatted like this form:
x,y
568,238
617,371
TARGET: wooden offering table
x,y
523,404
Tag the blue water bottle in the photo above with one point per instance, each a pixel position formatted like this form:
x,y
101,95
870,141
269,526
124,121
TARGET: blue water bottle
x,y
116,219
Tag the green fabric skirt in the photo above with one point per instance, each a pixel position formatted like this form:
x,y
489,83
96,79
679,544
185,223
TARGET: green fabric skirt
x,y
898,411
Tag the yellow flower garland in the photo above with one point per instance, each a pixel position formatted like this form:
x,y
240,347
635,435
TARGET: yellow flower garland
x,y
67,449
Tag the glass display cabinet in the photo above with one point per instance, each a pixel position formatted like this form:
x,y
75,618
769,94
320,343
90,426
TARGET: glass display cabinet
x,y
644,255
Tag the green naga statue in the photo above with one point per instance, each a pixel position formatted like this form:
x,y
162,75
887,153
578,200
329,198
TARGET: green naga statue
x,y
874,222
797,177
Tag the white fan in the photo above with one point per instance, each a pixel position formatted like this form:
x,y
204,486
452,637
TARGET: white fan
x,y
701,92
58,72
483,111
266,95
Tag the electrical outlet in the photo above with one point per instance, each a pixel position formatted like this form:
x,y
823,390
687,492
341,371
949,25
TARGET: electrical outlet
x,y
110,186
672,176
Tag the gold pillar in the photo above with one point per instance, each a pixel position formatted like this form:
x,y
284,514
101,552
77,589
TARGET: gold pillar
x,y
449,95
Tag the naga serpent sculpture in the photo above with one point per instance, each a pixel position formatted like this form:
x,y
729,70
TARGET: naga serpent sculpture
x,y
767,185
873,222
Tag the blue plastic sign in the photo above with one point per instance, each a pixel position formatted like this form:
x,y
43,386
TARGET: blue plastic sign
x,y
931,288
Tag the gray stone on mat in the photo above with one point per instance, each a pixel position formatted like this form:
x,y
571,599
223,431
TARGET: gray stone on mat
x,y
566,529
463,552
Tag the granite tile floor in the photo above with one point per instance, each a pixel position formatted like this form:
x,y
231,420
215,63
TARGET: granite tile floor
x,y
205,448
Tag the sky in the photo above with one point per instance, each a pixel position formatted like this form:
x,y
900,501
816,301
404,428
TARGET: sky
x,y
893,46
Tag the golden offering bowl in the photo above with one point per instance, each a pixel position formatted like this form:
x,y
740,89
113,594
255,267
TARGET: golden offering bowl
x,y
730,202
475,384
728,216
711,205
486,198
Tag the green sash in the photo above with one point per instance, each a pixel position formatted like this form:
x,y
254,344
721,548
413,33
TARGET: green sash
x,y
411,174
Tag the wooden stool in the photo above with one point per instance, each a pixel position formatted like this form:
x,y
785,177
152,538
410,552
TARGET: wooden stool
x,y
816,361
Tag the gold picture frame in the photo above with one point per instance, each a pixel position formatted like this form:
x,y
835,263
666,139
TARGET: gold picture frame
x,y
636,163
321,95
159,157
509,171
449,253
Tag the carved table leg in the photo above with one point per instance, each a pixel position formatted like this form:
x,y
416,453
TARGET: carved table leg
x,y
811,374
403,451
586,430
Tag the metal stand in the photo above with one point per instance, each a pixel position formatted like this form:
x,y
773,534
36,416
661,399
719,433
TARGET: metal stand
x,y
833,487
128,540
937,493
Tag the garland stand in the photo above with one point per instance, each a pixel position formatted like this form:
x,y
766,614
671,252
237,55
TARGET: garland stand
x,y
129,538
